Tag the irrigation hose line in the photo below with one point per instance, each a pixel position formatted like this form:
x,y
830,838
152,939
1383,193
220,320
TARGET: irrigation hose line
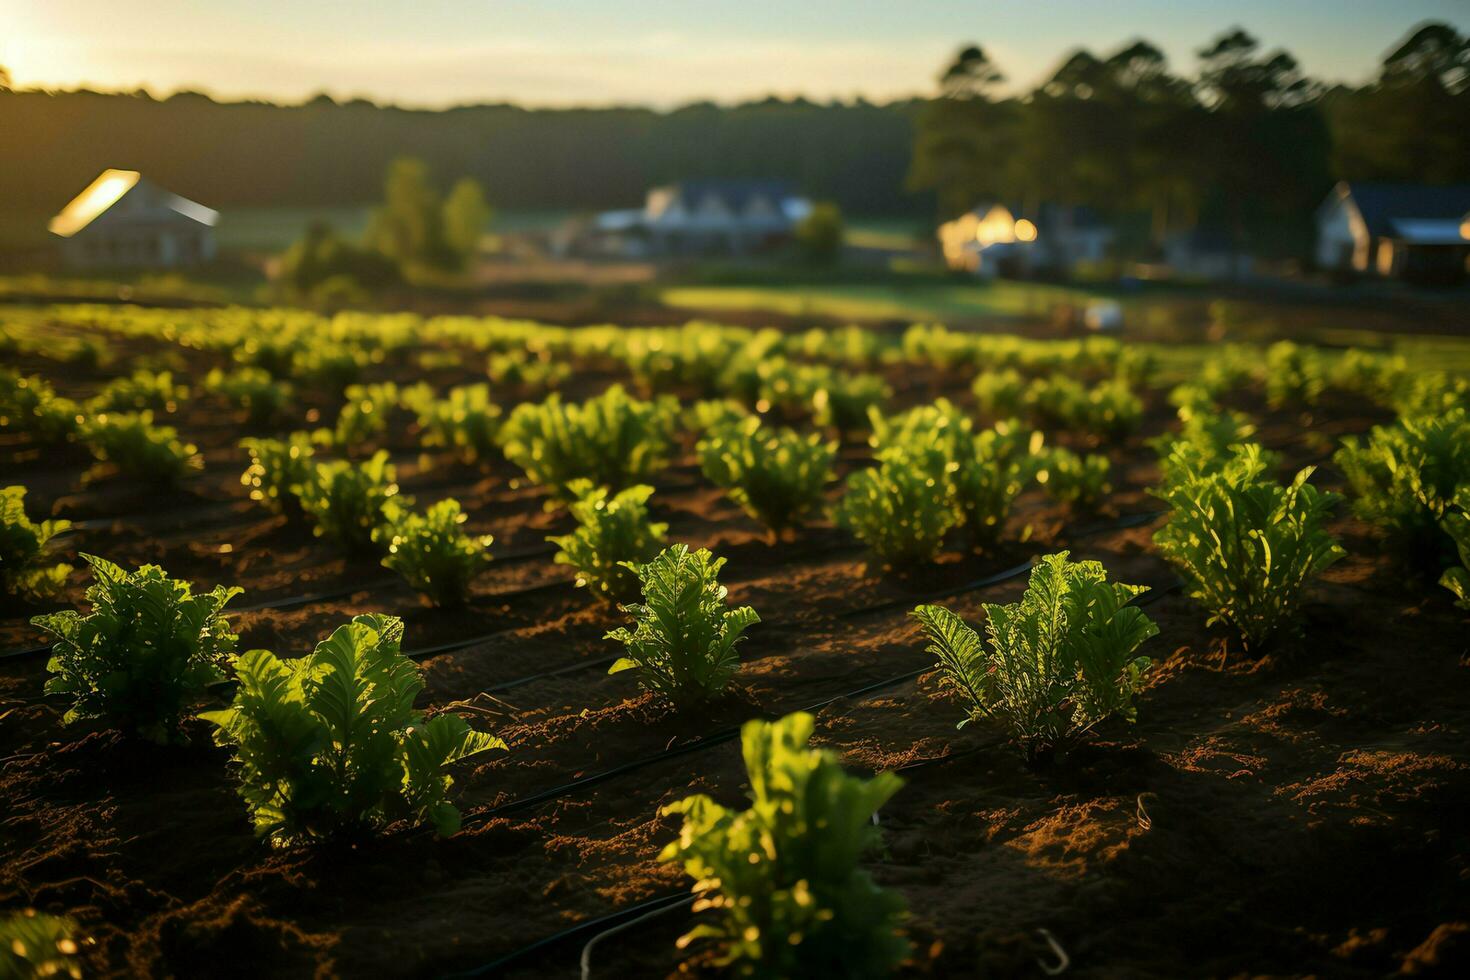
x,y
622,919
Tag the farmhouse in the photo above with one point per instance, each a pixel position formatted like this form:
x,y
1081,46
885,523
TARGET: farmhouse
x,y
694,217
1207,253
1002,239
124,220
1400,231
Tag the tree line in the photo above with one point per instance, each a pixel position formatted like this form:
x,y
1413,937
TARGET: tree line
x,y
1247,142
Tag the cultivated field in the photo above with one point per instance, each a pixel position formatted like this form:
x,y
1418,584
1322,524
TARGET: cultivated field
x,y
1297,804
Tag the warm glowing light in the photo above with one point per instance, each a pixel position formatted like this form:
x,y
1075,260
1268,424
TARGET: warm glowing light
x,y
1465,227
102,194
1025,231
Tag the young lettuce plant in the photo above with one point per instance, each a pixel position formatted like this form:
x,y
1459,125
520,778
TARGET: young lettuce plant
x,y
278,469
465,422
347,501
613,440
148,646
139,449
432,552
1246,545
34,946
24,569
263,398
683,639
142,390
1456,524
783,875
776,475
614,534
29,404
1060,661
1078,481
903,507
363,417
330,746
1404,480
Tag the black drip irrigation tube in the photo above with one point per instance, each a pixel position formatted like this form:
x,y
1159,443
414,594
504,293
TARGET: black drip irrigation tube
x,y
597,925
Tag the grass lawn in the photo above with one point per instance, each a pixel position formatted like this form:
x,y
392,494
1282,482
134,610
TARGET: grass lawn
x,y
923,301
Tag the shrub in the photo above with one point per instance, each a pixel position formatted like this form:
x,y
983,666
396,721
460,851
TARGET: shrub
x,y
329,745
139,391
464,422
775,474
29,404
139,449
783,875
1059,661
612,440
23,544
346,500
431,552
1404,478
148,645
683,639
278,469
1079,481
819,235
1246,545
33,945
613,534
903,507
263,398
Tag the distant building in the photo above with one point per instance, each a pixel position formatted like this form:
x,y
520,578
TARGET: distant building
x,y
1001,239
1400,231
1207,253
124,220
693,217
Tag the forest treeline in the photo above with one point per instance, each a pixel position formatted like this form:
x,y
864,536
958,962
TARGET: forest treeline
x,y
1246,141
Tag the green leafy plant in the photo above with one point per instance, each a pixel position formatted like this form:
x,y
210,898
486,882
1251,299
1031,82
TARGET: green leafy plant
x,y
614,534
29,404
613,440
363,417
263,398
465,421
432,552
775,474
519,367
1456,524
1294,375
683,639
1000,394
24,569
783,875
1246,545
330,746
347,500
139,391
1058,662
148,646
278,469
139,449
903,507
34,945
1404,478
1079,481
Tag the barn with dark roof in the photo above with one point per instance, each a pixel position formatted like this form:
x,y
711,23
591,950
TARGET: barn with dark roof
x,y
1400,231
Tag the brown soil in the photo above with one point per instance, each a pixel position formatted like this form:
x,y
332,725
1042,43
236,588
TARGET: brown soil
x,y
1305,812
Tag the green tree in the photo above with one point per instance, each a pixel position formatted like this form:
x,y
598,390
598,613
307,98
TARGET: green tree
x,y
820,233
466,216
964,138
409,227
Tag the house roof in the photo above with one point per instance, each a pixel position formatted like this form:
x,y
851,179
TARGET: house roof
x,y
1392,210
112,186
735,195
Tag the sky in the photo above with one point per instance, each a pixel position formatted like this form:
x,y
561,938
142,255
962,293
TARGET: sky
x,y
650,52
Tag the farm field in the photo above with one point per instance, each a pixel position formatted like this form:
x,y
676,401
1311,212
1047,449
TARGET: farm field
x,y
1293,806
